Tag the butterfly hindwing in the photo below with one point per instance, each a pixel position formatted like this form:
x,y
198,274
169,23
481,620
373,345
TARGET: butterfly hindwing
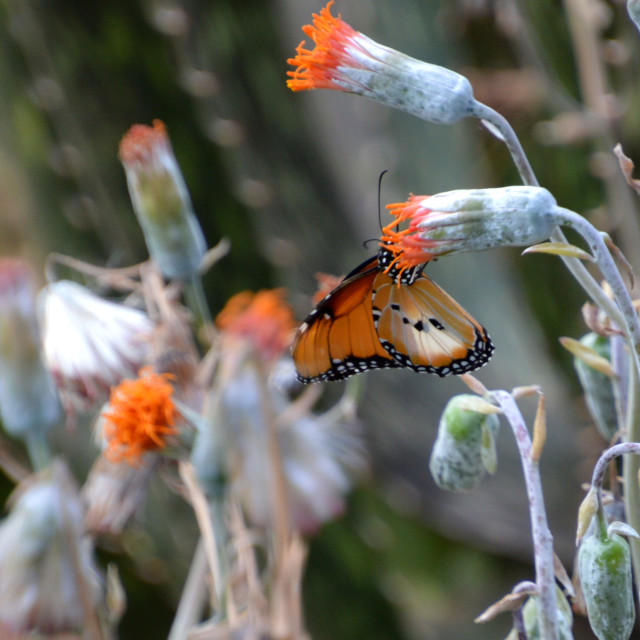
x,y
425,329
338,339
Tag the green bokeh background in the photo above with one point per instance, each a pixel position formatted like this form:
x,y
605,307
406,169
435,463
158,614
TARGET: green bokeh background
x,y
291,180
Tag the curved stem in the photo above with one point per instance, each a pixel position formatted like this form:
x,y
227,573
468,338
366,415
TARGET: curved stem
x,y
611,274
542,538
499,126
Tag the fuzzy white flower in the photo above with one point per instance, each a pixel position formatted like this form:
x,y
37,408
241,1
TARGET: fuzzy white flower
x,y
90,343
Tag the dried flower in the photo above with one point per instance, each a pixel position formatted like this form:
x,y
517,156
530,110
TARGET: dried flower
x,y
46,568
28,398
319,453
468,220
161,201
113,493
90,343
140,416
263,318
347,60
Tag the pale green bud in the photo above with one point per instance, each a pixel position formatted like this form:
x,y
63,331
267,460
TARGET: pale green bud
x,y
532,622
161,201
597,387
464,449
633,9
604,565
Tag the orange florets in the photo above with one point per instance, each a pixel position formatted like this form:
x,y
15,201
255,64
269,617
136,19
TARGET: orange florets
x,y
140,417
141,141
409,249
318,68
264,318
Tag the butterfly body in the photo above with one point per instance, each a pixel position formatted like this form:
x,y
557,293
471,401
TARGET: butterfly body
x,y
381,317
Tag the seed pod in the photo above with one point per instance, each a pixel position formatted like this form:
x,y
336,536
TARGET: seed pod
x,y
464,448
604,565
598,390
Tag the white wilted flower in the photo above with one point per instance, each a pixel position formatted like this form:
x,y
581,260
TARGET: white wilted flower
x,y
317,454
90,343
46,566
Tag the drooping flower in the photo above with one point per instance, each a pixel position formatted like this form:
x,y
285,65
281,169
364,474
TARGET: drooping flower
x,y
46,565
346,60
140,417
161,201
318,455
263,318
468,220
28,399
90,343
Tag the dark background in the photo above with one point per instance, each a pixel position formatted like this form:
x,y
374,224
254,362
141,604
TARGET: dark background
x,y
291,180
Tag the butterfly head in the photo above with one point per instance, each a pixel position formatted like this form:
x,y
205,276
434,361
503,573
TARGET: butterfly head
x,y
388,262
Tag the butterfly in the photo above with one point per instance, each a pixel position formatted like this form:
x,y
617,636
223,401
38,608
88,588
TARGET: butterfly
x,y
382,317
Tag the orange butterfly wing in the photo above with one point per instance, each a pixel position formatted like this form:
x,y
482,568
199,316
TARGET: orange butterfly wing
x,y
425,329
338,339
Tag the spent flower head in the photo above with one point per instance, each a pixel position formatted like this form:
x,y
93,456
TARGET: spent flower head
x,y
161,201
319,454
468,220
140,417
28,398
45,562
347,60
263,319
90,343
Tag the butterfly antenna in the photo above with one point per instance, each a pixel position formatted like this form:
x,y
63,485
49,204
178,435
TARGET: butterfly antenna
x,y
379,198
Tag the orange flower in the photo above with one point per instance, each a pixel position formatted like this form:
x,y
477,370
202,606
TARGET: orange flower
x,y
409,249
140,416
320,68
468,220
347,60
264,318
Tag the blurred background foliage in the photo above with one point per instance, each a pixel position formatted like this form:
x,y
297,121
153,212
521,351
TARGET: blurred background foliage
x,y
291,180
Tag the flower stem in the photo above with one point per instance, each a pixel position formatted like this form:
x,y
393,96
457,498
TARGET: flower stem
x,y
611,274
193,595
499,126
197,303
630,469
542,538
38,450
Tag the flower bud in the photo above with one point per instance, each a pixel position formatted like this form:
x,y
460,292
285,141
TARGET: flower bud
x,y
28,399
464,449
604,565
347,60
532,623
597,387
469,220
633,9
161,201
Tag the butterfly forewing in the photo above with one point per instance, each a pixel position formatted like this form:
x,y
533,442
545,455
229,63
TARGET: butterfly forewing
x,y
339,339
425,329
